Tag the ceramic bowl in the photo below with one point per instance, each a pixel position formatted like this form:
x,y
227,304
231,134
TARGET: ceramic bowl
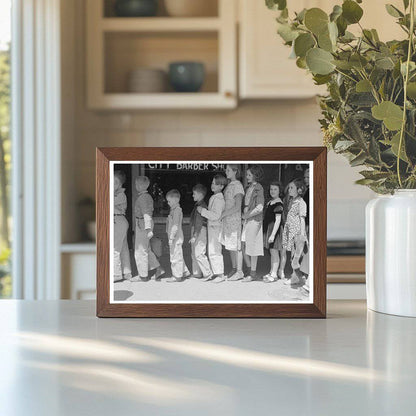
x,y
186,76
147,80
135,8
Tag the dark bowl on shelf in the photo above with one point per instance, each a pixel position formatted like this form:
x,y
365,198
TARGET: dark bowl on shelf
x,y
186,76
135,8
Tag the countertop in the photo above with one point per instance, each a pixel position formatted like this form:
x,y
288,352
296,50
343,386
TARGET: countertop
x,y
57,358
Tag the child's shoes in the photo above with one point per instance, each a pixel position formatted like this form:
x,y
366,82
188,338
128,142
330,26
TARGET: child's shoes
x,y
207,278
269,278
173,279
238,275
159,273
250,278
118,277
219,278
231,273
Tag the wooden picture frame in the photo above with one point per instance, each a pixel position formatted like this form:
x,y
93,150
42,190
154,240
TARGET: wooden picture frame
x,y
316,156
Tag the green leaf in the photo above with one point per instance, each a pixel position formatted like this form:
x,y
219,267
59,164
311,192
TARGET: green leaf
x,y
325,43
343,65
321,79
343,145
276,4
406,4
412,67
316,20
363,86
385,63
358,160
411,90
303,43
336,12
375,35
300,17
393,11
390,113
368,36
394,145
301,63
347,37
342,25
319,61
364,181
374,175
374,150
358,61
286,32
351,11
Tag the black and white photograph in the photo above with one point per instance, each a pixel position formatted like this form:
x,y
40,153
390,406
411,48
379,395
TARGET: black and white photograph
x,y
216,232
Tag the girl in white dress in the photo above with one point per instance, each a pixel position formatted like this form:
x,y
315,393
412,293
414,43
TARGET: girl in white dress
x,y
252,235
231,221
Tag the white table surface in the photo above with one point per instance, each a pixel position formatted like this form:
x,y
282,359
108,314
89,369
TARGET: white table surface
x,y
57,358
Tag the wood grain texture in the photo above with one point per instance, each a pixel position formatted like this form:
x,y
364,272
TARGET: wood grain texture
x,y
346,264
317,309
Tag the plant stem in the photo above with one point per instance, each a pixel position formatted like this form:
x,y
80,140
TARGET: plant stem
x,y
346,75
406,79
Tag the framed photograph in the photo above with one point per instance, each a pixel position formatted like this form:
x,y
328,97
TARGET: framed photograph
x,y
211,232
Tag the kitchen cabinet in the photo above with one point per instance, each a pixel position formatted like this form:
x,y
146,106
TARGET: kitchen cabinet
x,y
265,70
118,45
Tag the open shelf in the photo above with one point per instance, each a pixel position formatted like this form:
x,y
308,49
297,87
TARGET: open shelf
x,y
127,51
116,46
162,101
160,24
211,9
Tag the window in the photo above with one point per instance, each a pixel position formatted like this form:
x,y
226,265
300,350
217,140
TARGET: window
x,y
5,147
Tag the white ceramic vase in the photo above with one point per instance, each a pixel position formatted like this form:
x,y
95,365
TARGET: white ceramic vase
x,y
391,253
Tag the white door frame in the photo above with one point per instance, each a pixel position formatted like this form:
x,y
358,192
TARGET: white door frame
x,y
36,144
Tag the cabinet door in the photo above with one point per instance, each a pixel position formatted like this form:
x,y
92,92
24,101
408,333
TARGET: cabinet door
x,y
265,68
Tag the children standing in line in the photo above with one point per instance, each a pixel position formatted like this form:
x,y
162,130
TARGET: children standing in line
x,y
252,234
175,236
122,266
294,231
200,263
213,214
272,225
143,211
231,222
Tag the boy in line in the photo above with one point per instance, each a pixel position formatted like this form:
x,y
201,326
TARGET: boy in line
x,y
122,267
143,254
213,214
200,263
175,236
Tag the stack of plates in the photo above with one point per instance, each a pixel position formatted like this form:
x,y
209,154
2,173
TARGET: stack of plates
x,y
147,80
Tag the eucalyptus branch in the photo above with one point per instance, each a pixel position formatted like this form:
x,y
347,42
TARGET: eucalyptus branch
x,y
373,89
406,79
345,75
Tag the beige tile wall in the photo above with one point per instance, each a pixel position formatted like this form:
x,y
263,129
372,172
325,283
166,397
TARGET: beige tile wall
x,y
265,123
